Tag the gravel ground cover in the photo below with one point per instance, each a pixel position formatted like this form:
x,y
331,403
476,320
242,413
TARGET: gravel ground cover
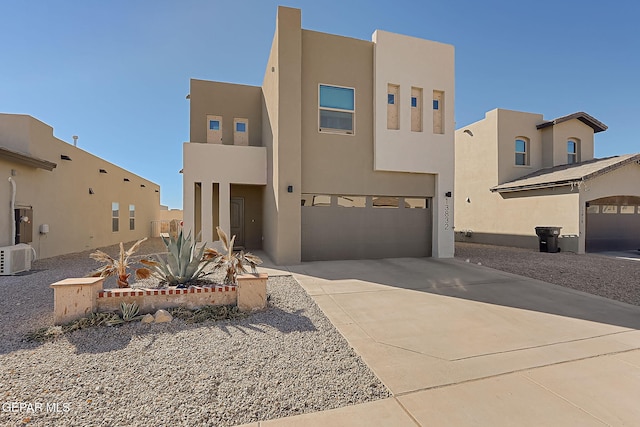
x,y
608,277
283,361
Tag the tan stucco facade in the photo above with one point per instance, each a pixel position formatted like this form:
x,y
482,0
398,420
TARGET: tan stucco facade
x,y
73,201
485,158
298,157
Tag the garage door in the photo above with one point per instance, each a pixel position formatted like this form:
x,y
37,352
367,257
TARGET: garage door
x,y
612,226
365,227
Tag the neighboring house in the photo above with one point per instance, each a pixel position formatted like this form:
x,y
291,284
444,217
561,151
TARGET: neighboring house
x,y
345,151
516,171
66,200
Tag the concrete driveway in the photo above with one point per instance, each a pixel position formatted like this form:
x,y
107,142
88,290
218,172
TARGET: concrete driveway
x,y
464,345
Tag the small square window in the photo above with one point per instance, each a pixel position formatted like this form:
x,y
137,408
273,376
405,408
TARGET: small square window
x,y
414,102
241,127
391,99
214,124
436,104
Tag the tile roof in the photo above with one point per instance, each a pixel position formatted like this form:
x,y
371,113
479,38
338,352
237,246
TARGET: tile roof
x,y
566,174
585,118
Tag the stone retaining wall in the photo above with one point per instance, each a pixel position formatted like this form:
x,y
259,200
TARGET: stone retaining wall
x,y
78,297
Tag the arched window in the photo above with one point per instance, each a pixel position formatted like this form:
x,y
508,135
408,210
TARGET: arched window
x,y
522,151
573,150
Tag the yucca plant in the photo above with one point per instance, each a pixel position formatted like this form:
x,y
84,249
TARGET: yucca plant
x,y
233,263
184,264
119,267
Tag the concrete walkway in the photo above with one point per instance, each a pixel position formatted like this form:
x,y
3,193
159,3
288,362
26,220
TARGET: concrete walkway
x,y
464,345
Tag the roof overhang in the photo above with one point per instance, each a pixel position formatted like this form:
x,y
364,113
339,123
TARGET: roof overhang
x,y
574,181
26,159
585,118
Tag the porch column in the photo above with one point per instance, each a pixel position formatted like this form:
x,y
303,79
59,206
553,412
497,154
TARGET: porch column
x,y
225,207
207,212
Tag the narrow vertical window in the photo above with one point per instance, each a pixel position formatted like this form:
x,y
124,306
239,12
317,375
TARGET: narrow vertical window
x,y
132,217
522,152
393,101
572,151
416,109
115,216
438,111
240,131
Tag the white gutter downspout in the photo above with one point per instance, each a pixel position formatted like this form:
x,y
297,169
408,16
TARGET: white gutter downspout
x,y
13,207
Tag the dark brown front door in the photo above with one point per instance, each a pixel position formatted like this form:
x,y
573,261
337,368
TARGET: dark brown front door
x,y
237,220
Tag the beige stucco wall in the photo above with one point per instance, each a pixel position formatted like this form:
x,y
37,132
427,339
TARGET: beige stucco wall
x,y
222,164
60,198
561,132
343,164
229,101
510,125
412,62
281,90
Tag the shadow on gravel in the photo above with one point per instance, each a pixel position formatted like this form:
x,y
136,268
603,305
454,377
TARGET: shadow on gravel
x,y
104,339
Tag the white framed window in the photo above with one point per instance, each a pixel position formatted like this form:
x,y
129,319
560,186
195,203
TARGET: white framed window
x,y
627,209
336,109
115,216
522,151
132,217
573,147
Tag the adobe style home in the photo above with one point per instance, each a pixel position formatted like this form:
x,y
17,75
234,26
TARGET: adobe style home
x,y
344,152
58,198
516,171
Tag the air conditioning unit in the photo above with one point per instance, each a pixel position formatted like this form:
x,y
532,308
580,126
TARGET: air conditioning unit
x,y
14,259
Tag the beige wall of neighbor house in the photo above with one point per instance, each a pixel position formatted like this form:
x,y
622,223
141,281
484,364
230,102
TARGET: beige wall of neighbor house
x,y
75,198
486,157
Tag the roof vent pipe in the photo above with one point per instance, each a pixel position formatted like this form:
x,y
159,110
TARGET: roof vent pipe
x,y
75,140
13,206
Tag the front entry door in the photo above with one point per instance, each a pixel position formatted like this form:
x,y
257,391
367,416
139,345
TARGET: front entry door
x,y
237,221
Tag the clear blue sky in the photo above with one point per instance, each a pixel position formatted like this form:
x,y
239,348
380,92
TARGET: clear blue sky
x,y
116,72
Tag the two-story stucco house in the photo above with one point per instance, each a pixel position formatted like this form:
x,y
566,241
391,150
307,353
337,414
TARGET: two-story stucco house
x,y
516,171
345,151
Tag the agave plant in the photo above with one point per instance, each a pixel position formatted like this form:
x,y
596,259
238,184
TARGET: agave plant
x,y
184,264
119,267
233,263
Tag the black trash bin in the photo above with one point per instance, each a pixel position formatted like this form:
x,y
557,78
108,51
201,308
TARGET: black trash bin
x,y
548,238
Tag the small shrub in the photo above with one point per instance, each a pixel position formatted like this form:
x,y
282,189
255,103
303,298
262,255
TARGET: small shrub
x,y
185,263
119,267
233,263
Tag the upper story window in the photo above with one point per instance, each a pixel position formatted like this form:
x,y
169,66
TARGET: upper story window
x,y
522,152
336,108
572,151
240,131
393,110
